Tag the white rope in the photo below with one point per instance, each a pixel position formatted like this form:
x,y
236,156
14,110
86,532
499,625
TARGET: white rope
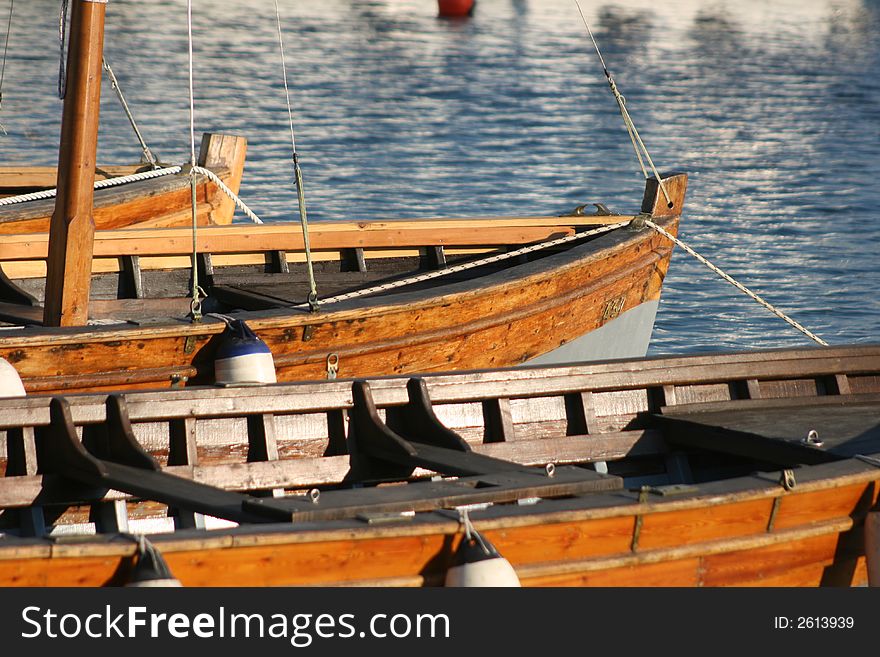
x,y
214,178
136,177
736,284
99,184
427,276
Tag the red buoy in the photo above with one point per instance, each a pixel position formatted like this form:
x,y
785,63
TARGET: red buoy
x,y
456,8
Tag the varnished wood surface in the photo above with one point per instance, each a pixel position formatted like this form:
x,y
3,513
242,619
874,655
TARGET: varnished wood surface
x,y
327,236
157,203
72,226
585,552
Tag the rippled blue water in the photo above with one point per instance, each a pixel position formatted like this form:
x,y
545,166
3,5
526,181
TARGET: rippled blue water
x,y
773,109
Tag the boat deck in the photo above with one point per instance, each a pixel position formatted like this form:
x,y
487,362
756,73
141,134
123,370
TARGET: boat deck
x,y
827,427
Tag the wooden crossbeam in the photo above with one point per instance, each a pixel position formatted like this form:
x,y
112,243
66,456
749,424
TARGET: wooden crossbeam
x,y
267,238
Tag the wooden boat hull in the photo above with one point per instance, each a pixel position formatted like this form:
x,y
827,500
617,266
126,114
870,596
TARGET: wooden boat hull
x,y
164,201
681,518
500,319
472,326
723,541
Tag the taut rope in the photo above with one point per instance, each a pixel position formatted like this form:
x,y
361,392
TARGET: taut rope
x,y
196,303
739,286
5,51
149,157
297,172
637,142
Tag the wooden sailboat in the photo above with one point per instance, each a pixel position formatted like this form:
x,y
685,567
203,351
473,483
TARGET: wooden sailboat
x,y
396,296
497,314
756,468
157,202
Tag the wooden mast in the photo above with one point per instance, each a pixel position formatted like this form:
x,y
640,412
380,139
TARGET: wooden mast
x,y
72,229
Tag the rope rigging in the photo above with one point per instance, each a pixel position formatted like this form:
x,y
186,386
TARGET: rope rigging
x,y
640,148
196,303
5,52
62,39
297,172
149,157
742,288
634,136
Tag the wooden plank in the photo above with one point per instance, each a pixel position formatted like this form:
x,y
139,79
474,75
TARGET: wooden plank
x,y
16,313
810,507
773,564
577,449
711,522
335,236
321,396
311,563
497,420
681,572
777,431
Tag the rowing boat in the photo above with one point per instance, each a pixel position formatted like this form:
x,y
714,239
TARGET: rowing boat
x,y
755,468
126,200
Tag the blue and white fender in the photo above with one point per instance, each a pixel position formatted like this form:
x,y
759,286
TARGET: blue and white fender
x,y
242,357
10,381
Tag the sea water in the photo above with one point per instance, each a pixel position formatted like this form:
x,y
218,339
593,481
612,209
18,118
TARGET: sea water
x,y
773,108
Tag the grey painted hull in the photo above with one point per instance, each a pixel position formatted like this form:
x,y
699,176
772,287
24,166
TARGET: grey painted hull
x,y
626,336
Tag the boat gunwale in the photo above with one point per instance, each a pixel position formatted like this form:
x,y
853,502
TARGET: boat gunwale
x,y
606,505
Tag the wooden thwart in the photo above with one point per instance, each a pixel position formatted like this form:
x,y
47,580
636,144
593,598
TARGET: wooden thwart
x,y
115,461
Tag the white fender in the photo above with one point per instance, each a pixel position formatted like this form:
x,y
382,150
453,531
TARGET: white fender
x,y
10,381
477,563
872,547
242,357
